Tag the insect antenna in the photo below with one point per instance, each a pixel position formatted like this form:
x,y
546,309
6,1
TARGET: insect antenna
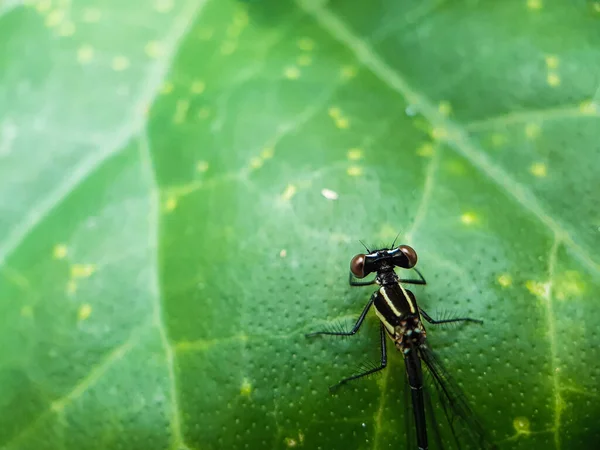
x,y
395,239
367,248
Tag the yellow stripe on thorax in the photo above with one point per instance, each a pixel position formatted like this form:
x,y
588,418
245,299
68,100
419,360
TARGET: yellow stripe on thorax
x,y
389,301
408,299
389,327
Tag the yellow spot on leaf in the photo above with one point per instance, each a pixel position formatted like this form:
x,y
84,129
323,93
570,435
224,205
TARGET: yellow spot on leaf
x,y
292,73
27,311
304,60
505,280
537,288
43,6
283,253
166,88
354,154
552,61
267,152
154,49
82,270
539,169
349,72
85,54
426,149
91,15
66,29
306,44
60,251
534,4
469,218
445,108
246,388
334,112
228,47
439,133
256,163
342,123
181,109
171,204
198,87
532,130
354,171
597,7
289,192
163,6
569,285
120,63
521,425
589,107
84,311
553,79
202,166
54,18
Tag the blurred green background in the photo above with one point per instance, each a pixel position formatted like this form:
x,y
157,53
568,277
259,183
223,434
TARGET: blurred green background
x,y
184,182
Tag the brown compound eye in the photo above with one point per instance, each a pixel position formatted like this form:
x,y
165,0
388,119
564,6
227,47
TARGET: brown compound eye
x,y
411,256
357,266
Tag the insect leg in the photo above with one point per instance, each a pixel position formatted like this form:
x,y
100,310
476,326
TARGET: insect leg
x,y
354,328
368,372
428,318
412,281
353,282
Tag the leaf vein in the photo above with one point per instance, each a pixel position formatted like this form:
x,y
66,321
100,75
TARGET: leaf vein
x,y
426,197
550,321
541,115
158,319
458,138
95,374
44,207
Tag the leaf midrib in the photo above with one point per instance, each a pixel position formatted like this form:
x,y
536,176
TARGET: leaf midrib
x,y
136,128
458,137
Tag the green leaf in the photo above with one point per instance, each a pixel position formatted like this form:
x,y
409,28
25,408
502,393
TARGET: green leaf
x,y
183,185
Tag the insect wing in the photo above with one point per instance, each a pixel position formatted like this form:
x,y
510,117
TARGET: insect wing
x,y
467,431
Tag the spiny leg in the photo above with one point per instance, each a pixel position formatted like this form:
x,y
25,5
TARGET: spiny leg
x,y
368,372
354,328
412,281
428,318
353,282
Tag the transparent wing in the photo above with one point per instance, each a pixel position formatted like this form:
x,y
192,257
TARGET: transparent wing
x,y
466,429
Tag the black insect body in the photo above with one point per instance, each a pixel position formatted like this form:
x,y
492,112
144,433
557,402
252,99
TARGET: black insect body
x,y
401,320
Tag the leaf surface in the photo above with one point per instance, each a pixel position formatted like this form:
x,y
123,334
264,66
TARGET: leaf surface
x,y
183,185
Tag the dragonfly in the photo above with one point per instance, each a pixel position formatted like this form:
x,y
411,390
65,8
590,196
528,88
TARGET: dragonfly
x,y
401,319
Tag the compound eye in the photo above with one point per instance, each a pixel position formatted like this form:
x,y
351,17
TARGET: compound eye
x,y
411,255
357,266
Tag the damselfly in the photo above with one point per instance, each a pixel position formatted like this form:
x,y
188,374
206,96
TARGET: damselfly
x,y
400,318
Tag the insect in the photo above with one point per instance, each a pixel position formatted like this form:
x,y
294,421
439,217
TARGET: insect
x,y
401,319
